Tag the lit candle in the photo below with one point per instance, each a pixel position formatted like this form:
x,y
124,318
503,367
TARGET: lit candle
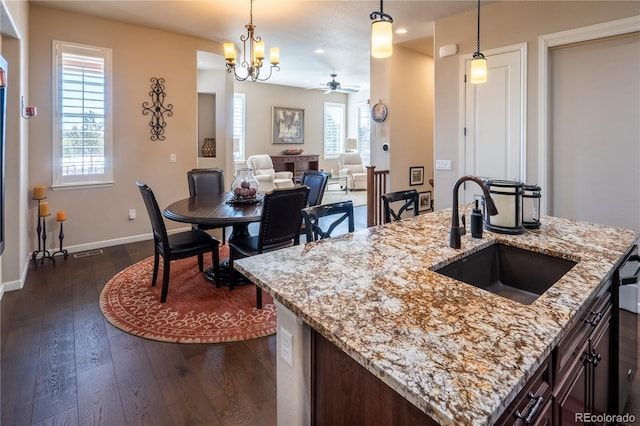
x,y
61,215
274,55
259,50
44,209
230,52
39,192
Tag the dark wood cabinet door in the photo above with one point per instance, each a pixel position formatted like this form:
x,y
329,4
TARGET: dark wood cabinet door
x,y
572,400
586,388
601,362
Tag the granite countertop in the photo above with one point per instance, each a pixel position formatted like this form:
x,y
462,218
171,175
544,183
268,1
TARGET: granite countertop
x,y
458,353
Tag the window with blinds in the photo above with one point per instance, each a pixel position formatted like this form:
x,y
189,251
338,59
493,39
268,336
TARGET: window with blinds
x,y
334,129
364,127
239,104
82,123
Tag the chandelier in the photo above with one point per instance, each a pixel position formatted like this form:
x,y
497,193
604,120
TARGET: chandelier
x,y
381,34
252,55
478,63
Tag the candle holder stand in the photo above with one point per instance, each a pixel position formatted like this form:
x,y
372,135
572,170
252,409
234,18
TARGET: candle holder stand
x,y
41,230
64,252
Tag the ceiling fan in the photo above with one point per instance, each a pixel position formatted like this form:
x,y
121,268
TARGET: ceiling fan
x,y
336,86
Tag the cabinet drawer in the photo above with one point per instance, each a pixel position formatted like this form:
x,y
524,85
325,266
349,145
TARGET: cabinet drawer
x,y
570,347
532,405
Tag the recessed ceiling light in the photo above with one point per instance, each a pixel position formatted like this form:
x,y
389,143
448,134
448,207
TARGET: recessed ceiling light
x,y
319,51
401,31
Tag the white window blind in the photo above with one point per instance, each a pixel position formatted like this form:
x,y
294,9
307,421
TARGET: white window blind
x,y
364,127
239,118
334,129
82,123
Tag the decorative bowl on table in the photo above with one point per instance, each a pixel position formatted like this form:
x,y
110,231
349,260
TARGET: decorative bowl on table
x,y
292,151
244,188
240,200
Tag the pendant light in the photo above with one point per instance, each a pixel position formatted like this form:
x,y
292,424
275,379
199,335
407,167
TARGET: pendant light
x,y
381,34
479,62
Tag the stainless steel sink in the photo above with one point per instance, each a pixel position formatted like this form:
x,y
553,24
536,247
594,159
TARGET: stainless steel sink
x,y
511,272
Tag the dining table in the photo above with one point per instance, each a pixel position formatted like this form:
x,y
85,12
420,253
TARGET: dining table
x,y
218,209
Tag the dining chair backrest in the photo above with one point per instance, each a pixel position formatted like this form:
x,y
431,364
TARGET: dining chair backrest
x,y
334,214
317,183
410,199
205,181
155,216
282,216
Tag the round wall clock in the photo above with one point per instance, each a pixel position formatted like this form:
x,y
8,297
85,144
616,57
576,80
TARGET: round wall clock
x,y
379,112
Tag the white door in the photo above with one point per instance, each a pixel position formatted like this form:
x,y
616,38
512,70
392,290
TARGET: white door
x,y
494,122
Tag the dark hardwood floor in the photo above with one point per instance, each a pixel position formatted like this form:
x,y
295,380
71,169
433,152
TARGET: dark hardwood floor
x,y
63,364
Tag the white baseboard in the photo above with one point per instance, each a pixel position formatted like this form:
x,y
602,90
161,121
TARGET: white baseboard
x,y
16,284
19,284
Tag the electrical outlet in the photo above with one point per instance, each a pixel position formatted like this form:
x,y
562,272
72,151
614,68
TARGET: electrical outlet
x,y
443,164
132,214
286,346
172,158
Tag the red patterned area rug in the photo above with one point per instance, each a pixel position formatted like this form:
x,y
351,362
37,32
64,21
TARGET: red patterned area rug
x,y
195,311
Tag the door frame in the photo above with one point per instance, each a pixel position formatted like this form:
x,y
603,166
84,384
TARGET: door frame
x,y
462,153
545,43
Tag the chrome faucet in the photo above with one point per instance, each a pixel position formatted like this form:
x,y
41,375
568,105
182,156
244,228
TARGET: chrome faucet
x,y
456,229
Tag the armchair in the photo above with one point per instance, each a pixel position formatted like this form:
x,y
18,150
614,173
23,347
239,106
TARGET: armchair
x,y
268,179
353,168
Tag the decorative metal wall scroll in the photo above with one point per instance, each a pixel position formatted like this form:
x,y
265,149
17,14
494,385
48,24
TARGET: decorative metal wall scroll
x,y
156,109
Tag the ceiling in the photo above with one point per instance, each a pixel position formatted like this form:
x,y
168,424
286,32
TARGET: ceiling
x,y
298,28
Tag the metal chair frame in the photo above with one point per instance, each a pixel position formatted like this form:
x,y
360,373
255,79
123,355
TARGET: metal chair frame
x,y
313,214
410,198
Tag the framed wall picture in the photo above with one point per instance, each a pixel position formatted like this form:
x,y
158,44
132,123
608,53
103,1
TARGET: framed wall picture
x,y
424,201
416,176
288,125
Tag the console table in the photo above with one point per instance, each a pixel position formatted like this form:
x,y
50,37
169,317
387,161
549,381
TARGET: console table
x,y
296,164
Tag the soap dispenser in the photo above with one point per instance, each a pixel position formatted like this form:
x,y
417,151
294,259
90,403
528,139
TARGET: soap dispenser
x,y
476,222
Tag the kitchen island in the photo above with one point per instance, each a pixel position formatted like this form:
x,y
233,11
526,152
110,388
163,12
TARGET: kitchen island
x,y
459,354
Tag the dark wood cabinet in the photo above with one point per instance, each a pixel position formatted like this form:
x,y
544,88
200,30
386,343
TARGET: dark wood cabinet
x,y
533,405
583,381
296,164
345,393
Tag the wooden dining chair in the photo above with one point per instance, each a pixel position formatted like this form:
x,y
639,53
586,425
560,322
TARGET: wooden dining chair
x,y
279,228
204,182
334,214
194,242
409,199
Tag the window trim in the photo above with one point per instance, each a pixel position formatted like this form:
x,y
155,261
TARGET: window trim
x,y
65,182
341,138
243,144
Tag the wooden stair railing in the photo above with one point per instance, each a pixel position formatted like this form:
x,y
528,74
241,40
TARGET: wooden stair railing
x,y
376,187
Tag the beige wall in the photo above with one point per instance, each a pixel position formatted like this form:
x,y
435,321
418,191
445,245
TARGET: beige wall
x,y
404,83
503,24
14,48
99,216
412,126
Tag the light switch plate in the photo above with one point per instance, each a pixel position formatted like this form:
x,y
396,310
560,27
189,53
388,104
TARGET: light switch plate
x,y
443,164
